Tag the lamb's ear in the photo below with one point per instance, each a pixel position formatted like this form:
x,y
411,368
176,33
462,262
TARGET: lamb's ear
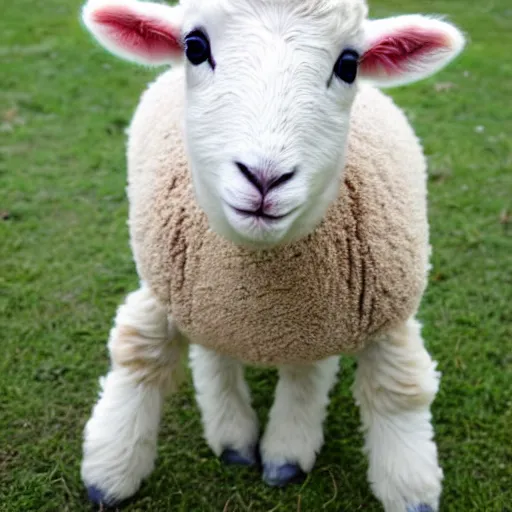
x,y
143,32
404,49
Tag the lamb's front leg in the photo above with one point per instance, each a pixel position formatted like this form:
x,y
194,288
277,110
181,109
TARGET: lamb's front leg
x,y
395,384
294,434
120,437
230,423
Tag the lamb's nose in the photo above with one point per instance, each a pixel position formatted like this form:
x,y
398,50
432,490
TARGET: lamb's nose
x,y
264,180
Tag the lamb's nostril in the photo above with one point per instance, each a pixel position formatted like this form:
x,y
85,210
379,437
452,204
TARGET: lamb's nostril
x,y
251,177
287,176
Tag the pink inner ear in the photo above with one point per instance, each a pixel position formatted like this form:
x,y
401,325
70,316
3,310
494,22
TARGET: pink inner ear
x,y
393,54
139,34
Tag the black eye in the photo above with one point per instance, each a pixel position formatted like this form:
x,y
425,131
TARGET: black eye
x,y
197,47
346,66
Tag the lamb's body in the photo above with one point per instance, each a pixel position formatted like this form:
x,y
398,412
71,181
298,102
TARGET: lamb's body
x,y
359,274
277,217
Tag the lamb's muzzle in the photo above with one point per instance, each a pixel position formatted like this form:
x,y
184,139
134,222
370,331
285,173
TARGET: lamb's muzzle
x,y
257,203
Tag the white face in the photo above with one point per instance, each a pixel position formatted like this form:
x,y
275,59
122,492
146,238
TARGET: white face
x,y
270,85
266,117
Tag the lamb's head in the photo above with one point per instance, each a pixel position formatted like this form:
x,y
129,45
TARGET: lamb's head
x,y
269,90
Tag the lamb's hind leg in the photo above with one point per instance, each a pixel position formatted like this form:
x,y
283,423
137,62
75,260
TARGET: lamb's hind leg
x,y
120,437
294,434
230,424
396,382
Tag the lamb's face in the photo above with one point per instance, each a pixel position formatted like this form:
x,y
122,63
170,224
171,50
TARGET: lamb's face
x,y
270,85
269,91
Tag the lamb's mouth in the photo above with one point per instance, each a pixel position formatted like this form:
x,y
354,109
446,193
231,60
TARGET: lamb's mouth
x,y
261,214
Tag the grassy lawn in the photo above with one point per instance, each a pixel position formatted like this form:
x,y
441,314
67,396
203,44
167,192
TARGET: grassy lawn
x,y
65,265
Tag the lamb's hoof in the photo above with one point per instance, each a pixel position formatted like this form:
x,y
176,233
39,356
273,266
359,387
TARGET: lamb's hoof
x,y
420,508
98,497
279,475
230,456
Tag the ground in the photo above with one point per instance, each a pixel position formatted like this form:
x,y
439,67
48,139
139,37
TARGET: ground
x,y
65,265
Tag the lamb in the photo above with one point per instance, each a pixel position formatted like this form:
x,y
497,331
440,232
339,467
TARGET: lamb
x,y
277,217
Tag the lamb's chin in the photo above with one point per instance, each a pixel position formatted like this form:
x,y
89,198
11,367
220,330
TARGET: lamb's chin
x,y
251,232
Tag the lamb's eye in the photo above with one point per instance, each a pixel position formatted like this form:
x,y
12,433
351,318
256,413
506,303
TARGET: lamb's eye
x,y
346,66
197,47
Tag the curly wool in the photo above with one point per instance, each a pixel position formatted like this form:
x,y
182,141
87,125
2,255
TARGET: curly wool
x,y
360,273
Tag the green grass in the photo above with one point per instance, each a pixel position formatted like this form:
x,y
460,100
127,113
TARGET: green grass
x,y
65,266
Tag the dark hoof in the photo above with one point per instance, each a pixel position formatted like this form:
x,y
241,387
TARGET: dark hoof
x,y
98,497
279,475
230,456
420,508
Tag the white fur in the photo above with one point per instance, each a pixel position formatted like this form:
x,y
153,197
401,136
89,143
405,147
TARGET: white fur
x,y
120,437
294,433
395,384
253,104
224,399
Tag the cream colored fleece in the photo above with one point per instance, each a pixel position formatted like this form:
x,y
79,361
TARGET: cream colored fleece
x,y
360,273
